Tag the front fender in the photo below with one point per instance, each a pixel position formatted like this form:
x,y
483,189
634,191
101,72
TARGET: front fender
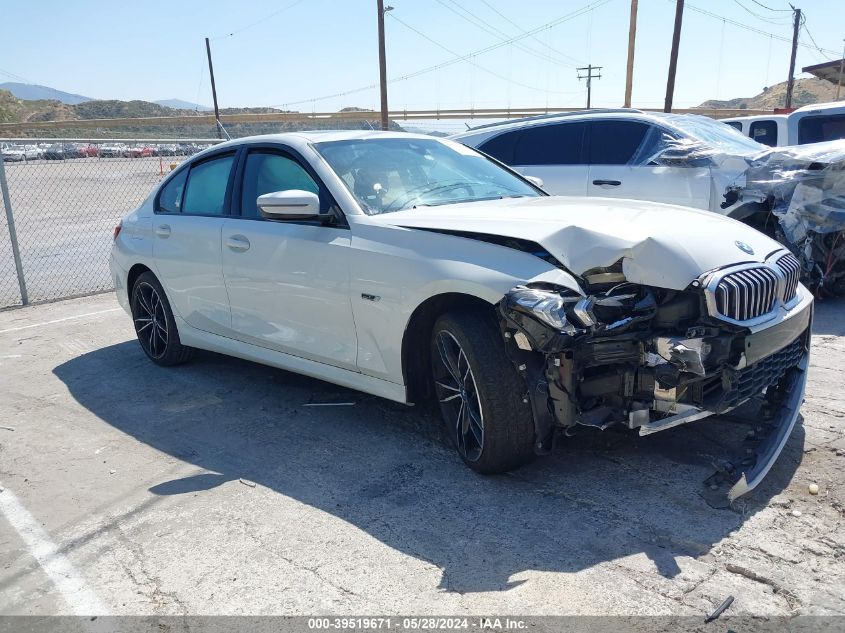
x,y
394,270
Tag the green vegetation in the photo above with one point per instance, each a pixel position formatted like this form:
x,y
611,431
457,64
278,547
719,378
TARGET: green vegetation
x,y
805,92
13,110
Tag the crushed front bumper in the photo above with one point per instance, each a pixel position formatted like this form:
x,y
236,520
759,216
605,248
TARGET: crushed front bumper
x,y
759,458
654,378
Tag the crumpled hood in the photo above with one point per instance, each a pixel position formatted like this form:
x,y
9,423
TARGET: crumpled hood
x,y
825,153
662,245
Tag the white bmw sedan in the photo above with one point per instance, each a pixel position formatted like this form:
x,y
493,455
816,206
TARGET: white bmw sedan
x,y
416,269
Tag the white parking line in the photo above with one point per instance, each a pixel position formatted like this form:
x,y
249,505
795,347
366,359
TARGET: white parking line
x,y
78,316
79,597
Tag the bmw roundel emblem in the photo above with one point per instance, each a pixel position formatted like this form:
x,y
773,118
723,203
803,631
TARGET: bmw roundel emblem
x,y
745,248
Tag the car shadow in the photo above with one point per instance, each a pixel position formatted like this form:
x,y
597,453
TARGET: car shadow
x,y
386,469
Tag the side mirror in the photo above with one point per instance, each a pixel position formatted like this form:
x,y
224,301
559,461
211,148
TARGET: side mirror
x,y
292,204
537,182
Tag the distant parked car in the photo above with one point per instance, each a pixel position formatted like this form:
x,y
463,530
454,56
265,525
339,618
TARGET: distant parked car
x,y
61,151
112,150
90,150
18,153
791,193
189,149
815,123
769,130
134,152
168,150
148,151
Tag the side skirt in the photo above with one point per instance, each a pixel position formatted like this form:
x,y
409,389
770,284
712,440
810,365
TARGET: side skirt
x,y
345,378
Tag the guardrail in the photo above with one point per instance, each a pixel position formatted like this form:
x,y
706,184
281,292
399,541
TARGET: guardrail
x,y
340,117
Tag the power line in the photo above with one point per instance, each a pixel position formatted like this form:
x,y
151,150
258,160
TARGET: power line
x,y
258,21
455,60
470,61
533,37
760,4
776,21
754,29
496,32
14,76
812,39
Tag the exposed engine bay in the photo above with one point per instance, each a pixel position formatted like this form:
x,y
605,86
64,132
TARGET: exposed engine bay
x,y
651,358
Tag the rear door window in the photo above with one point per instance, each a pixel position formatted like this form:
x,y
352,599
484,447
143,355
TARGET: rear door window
x,y
765,132
553,144
615,142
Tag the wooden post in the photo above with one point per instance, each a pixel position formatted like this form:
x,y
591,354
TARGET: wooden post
x,y
382,65
673,56
632,36
790,83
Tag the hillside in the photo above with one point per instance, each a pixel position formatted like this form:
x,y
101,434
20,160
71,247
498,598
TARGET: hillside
x,y
805,92
179,104
14,110
35,92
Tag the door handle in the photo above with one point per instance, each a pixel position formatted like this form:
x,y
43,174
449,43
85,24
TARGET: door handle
x,y
237,243
610,183
163,230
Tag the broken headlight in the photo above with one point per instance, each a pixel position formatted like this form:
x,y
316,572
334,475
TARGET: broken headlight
x,y
548,306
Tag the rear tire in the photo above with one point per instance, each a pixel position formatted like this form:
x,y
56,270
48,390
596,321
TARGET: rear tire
x,y
154,323
480,393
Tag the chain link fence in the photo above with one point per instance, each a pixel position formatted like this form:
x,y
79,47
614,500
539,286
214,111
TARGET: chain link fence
x,y
62,199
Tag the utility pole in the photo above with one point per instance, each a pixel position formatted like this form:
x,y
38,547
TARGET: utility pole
x,y
213,90
673,56
632,36
790,83
841,69
382,62
589,77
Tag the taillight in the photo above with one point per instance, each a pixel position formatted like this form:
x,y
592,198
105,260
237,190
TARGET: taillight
x,y
116,231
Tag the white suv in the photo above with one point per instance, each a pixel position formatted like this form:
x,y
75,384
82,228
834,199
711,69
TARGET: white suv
x,y
692,161
413,268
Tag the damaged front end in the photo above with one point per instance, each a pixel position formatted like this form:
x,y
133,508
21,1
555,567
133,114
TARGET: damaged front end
x,y
646,358
795,195
804,192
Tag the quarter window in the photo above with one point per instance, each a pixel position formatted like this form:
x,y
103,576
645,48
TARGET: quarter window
x,y
266,173
170,198
615,142
734,124
206,189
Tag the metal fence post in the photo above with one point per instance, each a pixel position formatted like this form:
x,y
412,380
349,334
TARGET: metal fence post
x,y
13,236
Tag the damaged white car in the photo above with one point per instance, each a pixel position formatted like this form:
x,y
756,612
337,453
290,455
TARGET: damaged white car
x,y
414,269
794,194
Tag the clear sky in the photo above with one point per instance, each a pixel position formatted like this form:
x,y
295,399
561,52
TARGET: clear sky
x,y
290,52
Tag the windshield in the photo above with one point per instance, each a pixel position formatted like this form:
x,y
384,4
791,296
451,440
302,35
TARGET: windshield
x,y
716,134
391,174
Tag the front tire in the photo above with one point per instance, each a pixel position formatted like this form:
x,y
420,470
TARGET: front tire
x,y
480,393
154,323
